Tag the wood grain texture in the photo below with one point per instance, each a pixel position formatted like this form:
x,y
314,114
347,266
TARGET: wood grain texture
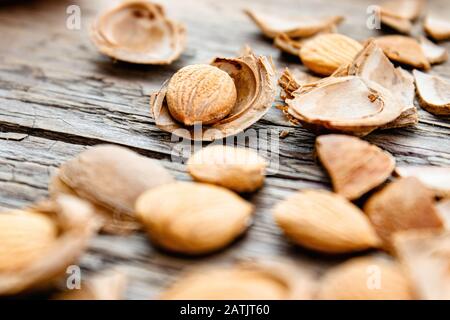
x,y
58,95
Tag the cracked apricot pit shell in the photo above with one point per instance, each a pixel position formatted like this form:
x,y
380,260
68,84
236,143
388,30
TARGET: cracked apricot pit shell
x,y
111,178
324,221
138,31
38,243
253,280
193,218
238,169
207,102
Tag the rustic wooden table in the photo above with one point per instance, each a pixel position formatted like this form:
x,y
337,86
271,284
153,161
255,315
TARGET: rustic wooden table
x,y
58,95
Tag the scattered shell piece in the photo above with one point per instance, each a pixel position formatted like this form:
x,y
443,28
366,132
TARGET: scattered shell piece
x,y
435,178
437,28
111,178
426,258
42,241
284,133
401,25
193,218
254,79
405,204
434,53
108,285
433,92
294,27
404,50
404,9
137,31
263,280
326,106
324,221
238,169
355,166
291,79
365,278
325,53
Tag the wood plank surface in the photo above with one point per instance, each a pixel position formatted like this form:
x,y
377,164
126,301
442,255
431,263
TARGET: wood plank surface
x,y
58,96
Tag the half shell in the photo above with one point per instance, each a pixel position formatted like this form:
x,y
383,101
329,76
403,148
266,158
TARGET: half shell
x,y
138,31
262,280
433,93
75,224
254,78
111,178
294,27
437,28
325,105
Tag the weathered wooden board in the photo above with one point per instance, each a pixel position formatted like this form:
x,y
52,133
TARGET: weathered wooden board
x,y
58,96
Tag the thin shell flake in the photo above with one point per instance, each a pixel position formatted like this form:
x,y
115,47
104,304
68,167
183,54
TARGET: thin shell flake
x,y
433,93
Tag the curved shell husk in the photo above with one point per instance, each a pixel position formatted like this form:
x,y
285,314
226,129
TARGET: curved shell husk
x,y
437,28
298,27
138,32
324,105
111,178
76,224
250,280
434,53
433,92
425,258
435,178
405,50
214,218
352,280
355,166
400,24
254,78
403,9
372,64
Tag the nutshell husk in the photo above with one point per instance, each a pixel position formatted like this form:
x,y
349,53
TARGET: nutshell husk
x,y
437,28
108,285
405,204
426,259
75,224
254,78
435,178
372,64
325,53
292,79
398,14
355,166
252,280
433,93
111,178
324,221
400,24
294,27
434,53
405,50
365,278
238,169
193,218
138,31
325,105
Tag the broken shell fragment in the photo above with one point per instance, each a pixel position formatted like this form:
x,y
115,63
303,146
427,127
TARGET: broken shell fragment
x,y
405,204
238,169
262,280
325,53
324,105
294,27
434,53
292,79
355,166
437,28
288,45
400,24
137,31
108,285
254,81
111,178
366,278
324,221
426,259
433,92
41,242
214,217
435,178
404,9
405,50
